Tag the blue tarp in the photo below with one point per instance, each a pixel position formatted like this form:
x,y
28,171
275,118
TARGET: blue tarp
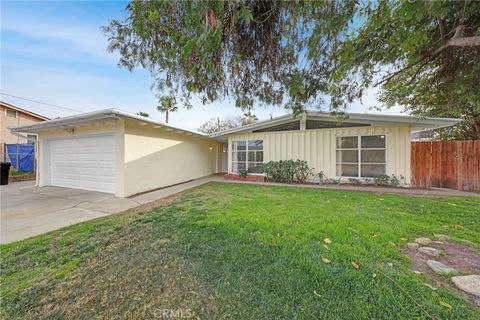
x,y
26,156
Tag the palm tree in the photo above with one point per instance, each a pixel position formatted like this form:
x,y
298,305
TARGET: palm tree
x,y
167,104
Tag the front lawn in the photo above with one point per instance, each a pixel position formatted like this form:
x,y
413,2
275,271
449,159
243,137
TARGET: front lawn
x,y
229,251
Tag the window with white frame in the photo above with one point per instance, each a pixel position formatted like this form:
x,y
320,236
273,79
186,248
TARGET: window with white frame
x,y
361,156
247,155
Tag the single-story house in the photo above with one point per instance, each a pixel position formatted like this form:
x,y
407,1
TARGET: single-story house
x,y
125,154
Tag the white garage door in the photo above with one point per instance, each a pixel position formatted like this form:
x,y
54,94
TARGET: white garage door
x,y
83,163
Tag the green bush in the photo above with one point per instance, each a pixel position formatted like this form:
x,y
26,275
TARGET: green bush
x,y
384,180
243,173
288,171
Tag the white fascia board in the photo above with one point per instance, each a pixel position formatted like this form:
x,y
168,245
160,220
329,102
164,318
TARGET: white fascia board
x,y
416,123
95,116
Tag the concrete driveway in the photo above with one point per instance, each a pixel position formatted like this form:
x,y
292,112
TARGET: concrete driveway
x,y
26,210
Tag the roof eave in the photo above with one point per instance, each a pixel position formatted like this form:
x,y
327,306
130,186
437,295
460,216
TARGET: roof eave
x,y
430,123
102,115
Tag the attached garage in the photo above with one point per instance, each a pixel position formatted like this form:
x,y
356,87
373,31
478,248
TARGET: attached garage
x,y
81,162
116,152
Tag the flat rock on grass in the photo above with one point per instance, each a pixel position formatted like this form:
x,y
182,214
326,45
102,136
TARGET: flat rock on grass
x,y
469,284
412,245
440,268
429,251
442,237
423,241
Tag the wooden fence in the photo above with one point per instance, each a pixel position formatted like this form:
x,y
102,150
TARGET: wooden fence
x,y
446,164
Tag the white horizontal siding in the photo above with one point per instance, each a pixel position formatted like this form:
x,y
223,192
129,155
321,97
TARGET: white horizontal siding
x,y
317,147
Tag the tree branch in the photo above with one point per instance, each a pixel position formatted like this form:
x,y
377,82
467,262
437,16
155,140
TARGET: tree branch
x,y
393,75
456,41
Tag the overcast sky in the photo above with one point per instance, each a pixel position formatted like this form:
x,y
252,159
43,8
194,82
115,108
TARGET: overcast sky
x,y
55,52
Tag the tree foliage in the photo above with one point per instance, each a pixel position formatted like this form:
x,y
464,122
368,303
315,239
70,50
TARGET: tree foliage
x,y
143,114
422,54
216,125
256,52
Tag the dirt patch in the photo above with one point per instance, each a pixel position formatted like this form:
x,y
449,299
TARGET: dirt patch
x,y
23,177
463,257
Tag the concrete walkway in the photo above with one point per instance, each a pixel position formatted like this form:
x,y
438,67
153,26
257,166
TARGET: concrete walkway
x,y
26,210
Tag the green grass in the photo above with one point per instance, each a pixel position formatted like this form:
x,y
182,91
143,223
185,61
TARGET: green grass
x,y
17,173
228,251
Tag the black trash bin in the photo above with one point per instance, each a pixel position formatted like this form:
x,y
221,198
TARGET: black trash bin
x,y
4,170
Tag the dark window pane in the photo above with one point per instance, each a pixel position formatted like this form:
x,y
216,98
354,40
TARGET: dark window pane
x,y
239,145
236,166
372,170
255,156
239,156
255,144
373,156
347,156
255,167
373,142
259,156
347,142
347,170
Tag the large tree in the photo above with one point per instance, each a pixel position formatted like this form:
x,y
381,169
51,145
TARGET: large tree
x,y
292,53
256,52
424,55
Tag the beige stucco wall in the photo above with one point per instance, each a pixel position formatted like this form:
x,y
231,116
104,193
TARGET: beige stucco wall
x,y
147,157
116,127
318,147
6,137
156,157
7,122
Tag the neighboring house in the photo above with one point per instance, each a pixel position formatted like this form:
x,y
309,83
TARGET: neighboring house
x,y
11,116
125,154
423,135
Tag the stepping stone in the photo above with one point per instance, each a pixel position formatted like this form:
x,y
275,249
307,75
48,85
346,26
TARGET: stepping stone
x,y
469,284
423,241
440,268
429,251
442,237
412,245
440,243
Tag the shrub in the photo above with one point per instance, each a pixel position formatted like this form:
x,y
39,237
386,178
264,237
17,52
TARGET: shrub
x,y
288,171
354,181
384,180
243,173
323,179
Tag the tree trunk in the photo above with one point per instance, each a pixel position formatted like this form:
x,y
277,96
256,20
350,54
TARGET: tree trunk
x,y
166,116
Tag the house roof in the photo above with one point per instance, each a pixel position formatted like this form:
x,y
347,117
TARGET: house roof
x,y
416,124
96,116
357,119
33,114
